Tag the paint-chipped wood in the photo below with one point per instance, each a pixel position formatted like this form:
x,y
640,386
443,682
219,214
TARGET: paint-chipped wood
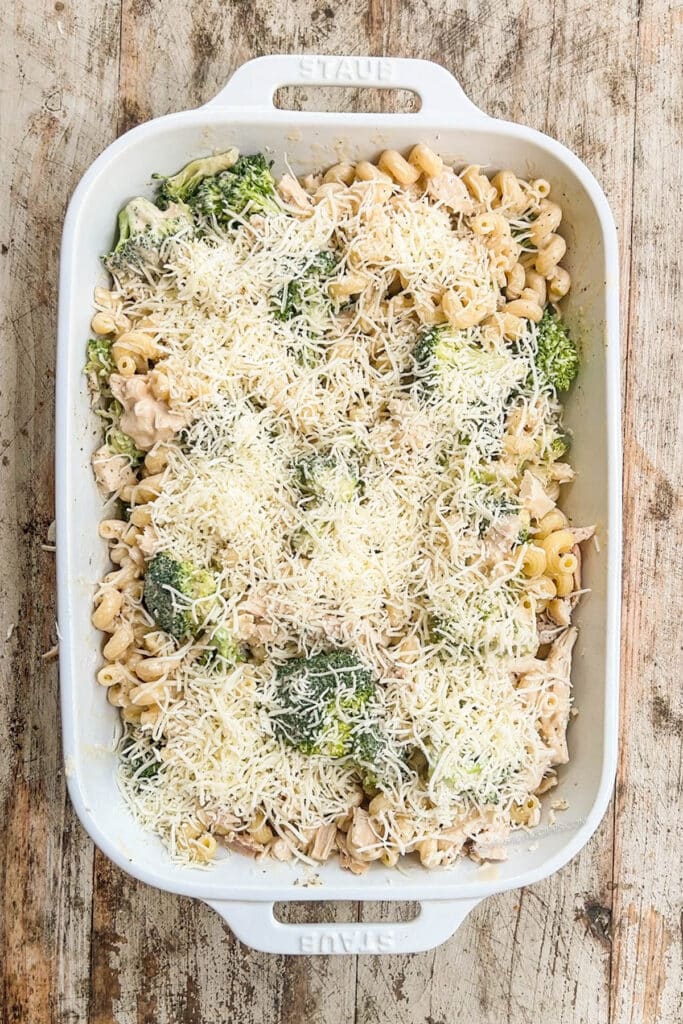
x,y
647,918
600,942
59,73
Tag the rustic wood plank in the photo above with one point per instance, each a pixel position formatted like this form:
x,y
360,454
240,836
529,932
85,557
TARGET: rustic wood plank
x,y
59,81
160,958
647,975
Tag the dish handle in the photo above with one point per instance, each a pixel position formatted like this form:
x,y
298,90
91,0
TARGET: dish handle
x,y
254,923
254,83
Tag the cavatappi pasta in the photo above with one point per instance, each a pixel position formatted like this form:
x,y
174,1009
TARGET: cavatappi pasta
x,y
338,619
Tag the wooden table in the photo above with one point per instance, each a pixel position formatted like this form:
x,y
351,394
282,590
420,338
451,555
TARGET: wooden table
x,y
599,941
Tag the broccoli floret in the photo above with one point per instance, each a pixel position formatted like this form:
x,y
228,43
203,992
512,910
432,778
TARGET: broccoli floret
x,y
100,361
171,591
367,749
302,542
307,294
119,443
222,649
559,446
248,185
143,227
322,701
327,478
443,348
143,759
181,187
557,357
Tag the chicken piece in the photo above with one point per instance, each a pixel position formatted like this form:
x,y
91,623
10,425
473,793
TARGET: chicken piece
x,y
324,842
112,472
145,419
560,612
502,537
294,194
148,542
221,822
562,472
280,850
583,533
489,846
533,497
361,835
557,668
346,860
449,189
243,843
553,676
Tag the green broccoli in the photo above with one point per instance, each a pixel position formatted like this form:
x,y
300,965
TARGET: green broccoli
x,y
559,446
247,186
322,700
557,357
143,759
222,649
143,227
367,749
441,349
476,625
307,295
119,443
100,362
181,187
171,592
302,542
327,478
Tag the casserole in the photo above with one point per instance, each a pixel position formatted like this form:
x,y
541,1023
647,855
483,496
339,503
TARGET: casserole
x,y
242,891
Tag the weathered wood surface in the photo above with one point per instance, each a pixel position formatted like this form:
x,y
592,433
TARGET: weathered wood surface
x,y
600,942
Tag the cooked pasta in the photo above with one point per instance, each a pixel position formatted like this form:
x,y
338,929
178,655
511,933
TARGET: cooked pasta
x,y
339,618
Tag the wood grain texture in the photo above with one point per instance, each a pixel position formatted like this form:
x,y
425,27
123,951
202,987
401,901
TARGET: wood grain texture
x,y
648,873
59,72
599,942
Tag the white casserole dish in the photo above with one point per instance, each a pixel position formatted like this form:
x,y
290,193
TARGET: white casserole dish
x,y
241,890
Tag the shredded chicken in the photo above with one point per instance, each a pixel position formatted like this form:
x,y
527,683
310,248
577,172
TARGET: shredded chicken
x,y
148,542
324,842
533,497
220,822
449,189
490,845
145,419
346,860
243,843
562,472
557,669
560,612
502,536
281,850
293,193
361,836
112,472
583,533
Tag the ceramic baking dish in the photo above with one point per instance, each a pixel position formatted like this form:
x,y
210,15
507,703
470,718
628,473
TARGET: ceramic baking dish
x,y
241,890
